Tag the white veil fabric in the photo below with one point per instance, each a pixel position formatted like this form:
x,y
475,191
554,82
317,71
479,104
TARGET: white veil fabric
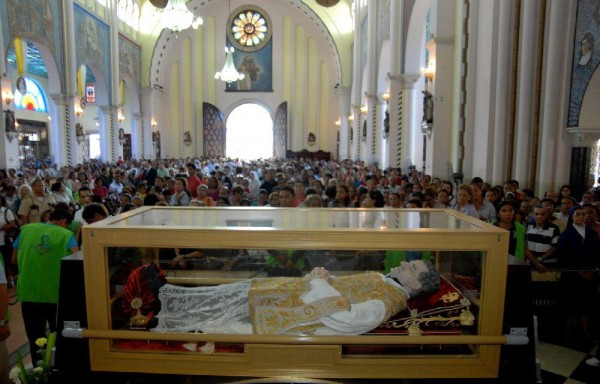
x,y
218,309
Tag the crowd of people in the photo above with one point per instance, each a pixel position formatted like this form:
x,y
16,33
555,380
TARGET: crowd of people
x,y
548,229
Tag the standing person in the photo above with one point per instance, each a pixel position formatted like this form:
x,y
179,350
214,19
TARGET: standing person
x,y
4,329
463,201
36,203
85,197
577,248
542,237
7,222
38,251
516,239
193,180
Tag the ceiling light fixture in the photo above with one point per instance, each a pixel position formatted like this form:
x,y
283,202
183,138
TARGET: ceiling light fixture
x,y
177,17
229,73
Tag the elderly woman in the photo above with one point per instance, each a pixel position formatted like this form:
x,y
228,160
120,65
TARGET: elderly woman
x,y
348,305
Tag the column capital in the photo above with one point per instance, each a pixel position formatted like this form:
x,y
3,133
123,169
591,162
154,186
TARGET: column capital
x,y
108,109
138,116
343,91
584,137
371,97
406,80
59,98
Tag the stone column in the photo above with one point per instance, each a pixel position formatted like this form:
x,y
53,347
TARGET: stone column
x,y
59,136
137,137
394,108
73,149
116,147
356,84
343,95
411,138
372,124
525,118
554,154
109,138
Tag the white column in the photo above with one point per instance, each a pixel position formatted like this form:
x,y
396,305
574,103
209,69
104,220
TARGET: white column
x,y
382,136
61,115
116,149
109,138
555,145
70,150
152,102
371,85
343,95
412,140
525,92
395,108
137,134
356,85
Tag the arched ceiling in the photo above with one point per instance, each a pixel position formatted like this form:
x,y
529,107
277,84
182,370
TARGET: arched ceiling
x,y
338,20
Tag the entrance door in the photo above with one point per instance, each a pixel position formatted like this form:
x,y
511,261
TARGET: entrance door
x,y
33,141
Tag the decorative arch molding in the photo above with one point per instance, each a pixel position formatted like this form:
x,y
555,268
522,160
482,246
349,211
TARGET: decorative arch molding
x,y
54,76
414,39
158,70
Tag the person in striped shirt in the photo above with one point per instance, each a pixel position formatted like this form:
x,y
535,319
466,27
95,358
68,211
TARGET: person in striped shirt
x,y
542,237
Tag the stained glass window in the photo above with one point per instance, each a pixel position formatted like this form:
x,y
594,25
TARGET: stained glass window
x,y
34,98
250,29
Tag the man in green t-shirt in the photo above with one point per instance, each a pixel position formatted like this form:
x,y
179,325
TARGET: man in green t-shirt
x,y
38,251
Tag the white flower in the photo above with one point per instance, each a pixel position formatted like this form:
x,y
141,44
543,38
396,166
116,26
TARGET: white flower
x,y
14,374
38,370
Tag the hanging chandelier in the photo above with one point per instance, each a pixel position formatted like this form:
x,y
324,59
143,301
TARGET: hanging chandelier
x,y
229,73
177,17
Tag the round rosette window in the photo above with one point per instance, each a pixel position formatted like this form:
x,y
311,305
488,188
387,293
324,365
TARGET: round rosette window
x,y
249,28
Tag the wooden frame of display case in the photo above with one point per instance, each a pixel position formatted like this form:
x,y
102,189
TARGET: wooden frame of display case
x,y
299,356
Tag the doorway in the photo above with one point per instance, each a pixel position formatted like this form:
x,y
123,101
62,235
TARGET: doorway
x,y
33,141
249,133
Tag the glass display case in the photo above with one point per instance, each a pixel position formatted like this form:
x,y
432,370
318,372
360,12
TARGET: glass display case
x,y
132,262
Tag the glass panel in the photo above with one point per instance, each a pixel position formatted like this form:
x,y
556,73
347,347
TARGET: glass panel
x,y
297,218
225,291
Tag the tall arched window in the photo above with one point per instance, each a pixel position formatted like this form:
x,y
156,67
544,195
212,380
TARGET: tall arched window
x,y
34,98
249,132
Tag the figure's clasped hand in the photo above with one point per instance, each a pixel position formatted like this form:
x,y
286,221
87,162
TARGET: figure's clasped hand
x,y
320,273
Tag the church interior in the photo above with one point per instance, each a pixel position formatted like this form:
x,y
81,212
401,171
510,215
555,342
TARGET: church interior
x,y
455,89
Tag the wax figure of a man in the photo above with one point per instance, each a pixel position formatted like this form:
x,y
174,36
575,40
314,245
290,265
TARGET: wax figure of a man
x,y
317,304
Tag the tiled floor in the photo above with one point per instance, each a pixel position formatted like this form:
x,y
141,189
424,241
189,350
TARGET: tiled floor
x,y
561,363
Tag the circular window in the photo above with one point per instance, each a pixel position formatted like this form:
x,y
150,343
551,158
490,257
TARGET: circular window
x,y
249,28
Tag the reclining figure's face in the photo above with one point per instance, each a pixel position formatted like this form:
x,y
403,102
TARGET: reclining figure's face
x,y
408,273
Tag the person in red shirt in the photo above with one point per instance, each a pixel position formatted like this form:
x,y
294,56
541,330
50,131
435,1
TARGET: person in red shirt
x,y
193,181
100,189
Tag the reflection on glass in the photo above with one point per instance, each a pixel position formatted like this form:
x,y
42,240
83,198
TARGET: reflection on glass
x,y
297,218
136,276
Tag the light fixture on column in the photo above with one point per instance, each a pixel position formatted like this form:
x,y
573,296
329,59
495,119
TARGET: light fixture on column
x,y
351,118
338,122
229,73
78,111
364,109
7,97
177,17
429,72
386,96
120,117
154,123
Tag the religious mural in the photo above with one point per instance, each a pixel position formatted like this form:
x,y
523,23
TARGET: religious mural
x,y
130,60
258,70
92,43
585,56
34,20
